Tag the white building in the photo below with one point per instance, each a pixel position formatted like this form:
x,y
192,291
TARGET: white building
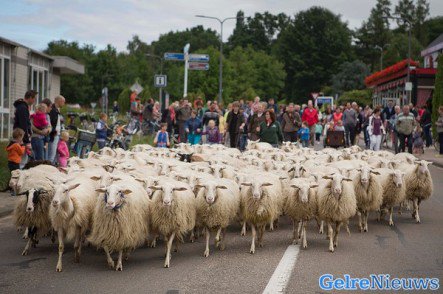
x,y
431,53
22,69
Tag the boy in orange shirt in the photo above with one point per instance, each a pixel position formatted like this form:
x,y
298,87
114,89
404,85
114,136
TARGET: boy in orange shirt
x,y
15,149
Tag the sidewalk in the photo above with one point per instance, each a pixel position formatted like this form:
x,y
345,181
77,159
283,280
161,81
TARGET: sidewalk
x,y
429,155
7,204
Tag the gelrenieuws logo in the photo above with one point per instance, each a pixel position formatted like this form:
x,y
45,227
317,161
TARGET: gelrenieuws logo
x,y
377,282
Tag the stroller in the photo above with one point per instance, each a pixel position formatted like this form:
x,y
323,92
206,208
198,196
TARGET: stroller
x,y
120,135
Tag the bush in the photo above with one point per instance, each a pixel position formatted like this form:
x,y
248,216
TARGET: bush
x,y
362,97
123,100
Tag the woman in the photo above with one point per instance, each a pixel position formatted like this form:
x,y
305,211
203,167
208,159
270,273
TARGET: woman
x,y
270,130
338,115
290,124
168,117
235,123
375,130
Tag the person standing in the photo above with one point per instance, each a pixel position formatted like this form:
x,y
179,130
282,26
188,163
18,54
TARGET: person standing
x,y
194,128
22,120
405,124
388,111
310,115
272,105
439,125
254,122
235,123
55,118
15,149
270,130
337,115
426,123
376,130
349,122
392,122
183,114
303,133
161,140
101,132
291,122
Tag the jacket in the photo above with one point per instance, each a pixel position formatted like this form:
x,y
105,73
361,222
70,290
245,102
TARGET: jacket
x,y
271,134
291,124
22,119
63,153
53,116
349,117
101,131
193,124
405,124
15,152
304,134
229,120
254,122
310,116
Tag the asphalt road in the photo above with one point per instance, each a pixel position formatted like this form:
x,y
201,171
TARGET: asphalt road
x,y
406,250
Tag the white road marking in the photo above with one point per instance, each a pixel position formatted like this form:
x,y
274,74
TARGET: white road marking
x,y
282,274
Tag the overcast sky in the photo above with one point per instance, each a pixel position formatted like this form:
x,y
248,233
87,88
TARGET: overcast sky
x,y
36,22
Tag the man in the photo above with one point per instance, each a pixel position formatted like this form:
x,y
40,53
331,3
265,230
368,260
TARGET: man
x,y
291,122
426,123
392,122
310,115
22,120
405,125
272,105
55,118
183,114
349,122
254,122
235,123
389,110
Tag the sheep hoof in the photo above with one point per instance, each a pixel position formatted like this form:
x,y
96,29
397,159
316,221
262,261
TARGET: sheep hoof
x,y
294,242
331,250
76,258
243,233
119,268
153,244
391,223
58,269
111,264
25,252
365,230
166,265
222,247
252,251
206,254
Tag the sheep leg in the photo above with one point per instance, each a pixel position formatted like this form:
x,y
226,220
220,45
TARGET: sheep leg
x,y
217,238
61,248
294,233
177,241
271,226
337,230
168,250
154,241
52,236
25,234
300,223
208,236
126,254
222,241
365,220
192,237
360,225
119,266
330,235
243,229
416,205
108,257
28,245
305,243
391,222
254,233
319,225
261,230
77,244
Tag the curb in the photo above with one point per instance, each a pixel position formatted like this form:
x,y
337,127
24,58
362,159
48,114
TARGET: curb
x,y
6,213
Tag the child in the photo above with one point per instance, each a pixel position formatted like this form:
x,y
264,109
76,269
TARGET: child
x,y
212,133
193,127
63,150
39,117
38,140
303,134
15,149
101,131
162,138
339,126
318,131
418,144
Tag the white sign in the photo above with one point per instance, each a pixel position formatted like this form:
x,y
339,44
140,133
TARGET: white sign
x,y
314,95
136,88
408,86
160,81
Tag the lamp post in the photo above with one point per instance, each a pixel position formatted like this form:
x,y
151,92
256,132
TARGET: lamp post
x,y
160,93
220,84
409,47
381,54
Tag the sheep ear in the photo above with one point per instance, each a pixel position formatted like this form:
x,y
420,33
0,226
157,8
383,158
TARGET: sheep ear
x,y
246,184
101,190
327,177
155,188
199,186
96,178
266,184
294,186
347,179
221,187
375,172
73,186
63,170
282,178
291,169
429,162
126,191
314,185
179,189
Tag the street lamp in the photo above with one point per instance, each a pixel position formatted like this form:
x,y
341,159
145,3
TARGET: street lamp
x,y
409,44
381,53
160,93
220,86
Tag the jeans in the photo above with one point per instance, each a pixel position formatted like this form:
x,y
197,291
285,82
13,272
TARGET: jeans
x,y
290,136
38,148
305,143
101,144
194,139
375,142
243,142
52,148
182,131
402,138
440,141
349,135
312,134
395,143
13,166
428,137
366,135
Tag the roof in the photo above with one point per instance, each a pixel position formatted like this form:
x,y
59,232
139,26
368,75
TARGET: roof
x,y
15,44
67,65
435,45
389,72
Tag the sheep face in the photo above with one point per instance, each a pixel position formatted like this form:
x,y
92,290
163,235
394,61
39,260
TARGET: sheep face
x,y
397,177
336,183
217,170
211,191
303,190
257,188
164,168
298,169
33,196
422,166
114,196
167,192
61,194
15,175
365,174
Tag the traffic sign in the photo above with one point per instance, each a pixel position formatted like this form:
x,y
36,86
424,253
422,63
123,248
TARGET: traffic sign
x,y
160,81
198,66
314,95
198,57
174,56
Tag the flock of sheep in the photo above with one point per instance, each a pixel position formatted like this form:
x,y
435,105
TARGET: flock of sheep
x,y
119,200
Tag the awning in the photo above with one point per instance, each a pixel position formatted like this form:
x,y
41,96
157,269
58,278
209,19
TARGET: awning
x,y
422,96
68,65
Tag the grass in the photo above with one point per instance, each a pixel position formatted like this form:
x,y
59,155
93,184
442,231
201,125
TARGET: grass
x,y
4,171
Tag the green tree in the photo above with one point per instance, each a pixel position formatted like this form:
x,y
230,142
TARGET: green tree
x,y
419,27
434,28
362,97
405,9
437,98
312,47
350,76
398,49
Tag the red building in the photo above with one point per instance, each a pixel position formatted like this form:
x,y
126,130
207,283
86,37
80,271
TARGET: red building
x,y
390,83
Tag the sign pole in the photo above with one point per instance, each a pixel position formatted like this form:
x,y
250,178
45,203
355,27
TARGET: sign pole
x,y
185,87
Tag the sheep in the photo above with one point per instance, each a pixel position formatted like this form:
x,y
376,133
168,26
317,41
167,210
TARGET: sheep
x,y
368,192
71,214
173,212
394,190
121,219
217,204
336,204
301,205
259,204
260,146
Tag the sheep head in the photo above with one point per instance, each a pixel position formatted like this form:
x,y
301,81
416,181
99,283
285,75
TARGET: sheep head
x,y
336,183
167,192
211,190
61,193
422,166
114,196
303,189
33,197
397,177
257,188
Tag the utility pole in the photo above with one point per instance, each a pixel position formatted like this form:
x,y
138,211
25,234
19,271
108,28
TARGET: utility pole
x,y
160,91
185,87
220,78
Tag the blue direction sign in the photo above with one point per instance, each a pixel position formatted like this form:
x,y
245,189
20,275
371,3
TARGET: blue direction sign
x,y
198,57
174,56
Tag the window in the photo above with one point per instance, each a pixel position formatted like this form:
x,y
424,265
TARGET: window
x,y
38,81
4,97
